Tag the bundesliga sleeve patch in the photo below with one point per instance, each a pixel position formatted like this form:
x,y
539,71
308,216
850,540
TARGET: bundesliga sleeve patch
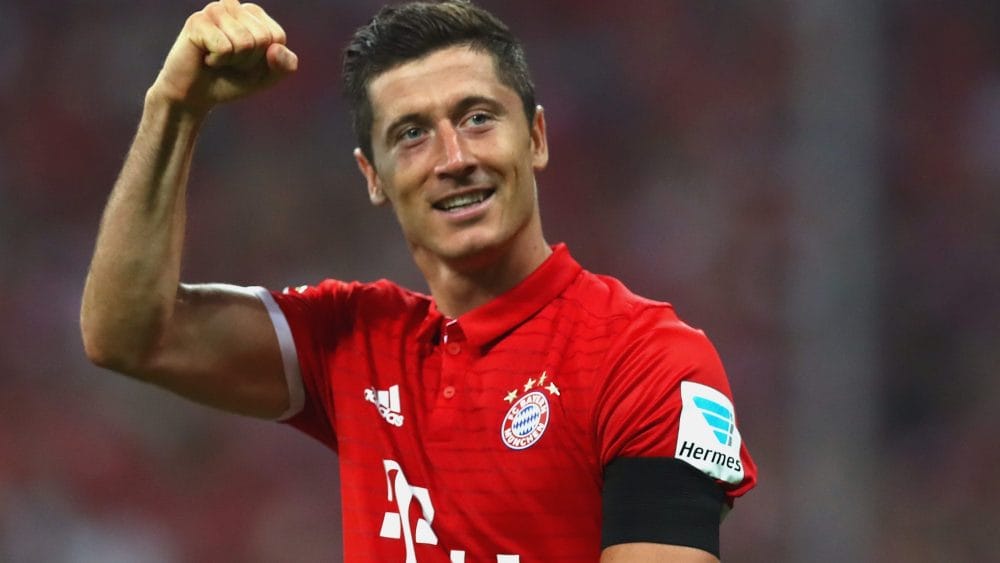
x,y
707,437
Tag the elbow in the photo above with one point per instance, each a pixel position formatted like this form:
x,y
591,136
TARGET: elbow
x,y
119,334
100,353
103,349
93,349
101,357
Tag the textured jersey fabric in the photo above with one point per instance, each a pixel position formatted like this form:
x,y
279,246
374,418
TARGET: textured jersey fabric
x,y
484,438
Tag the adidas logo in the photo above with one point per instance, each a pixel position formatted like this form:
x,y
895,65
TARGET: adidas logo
x,y
387,401
718,417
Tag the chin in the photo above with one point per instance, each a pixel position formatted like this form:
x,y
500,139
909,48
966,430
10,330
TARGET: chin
x,y
472,247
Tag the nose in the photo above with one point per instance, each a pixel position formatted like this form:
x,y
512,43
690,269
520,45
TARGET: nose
x,y
456,159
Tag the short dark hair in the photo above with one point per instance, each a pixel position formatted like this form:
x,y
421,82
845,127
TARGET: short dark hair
x,y
403,33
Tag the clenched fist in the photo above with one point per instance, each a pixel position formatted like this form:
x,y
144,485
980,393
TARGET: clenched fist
x,y
225,51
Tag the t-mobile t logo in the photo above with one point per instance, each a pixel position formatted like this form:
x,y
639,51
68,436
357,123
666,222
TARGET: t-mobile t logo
x,y
396,525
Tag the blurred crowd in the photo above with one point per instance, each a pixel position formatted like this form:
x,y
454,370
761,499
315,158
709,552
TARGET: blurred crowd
x,y
669,128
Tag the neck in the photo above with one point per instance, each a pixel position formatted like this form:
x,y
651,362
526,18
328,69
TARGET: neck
x,y
458,286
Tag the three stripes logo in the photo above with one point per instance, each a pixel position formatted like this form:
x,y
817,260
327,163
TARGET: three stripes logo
x,y
707,436
388,404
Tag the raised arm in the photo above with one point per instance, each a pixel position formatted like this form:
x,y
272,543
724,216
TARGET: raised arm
x,y
211,343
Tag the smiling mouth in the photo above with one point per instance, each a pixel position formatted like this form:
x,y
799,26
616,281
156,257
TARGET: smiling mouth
x,y
462,201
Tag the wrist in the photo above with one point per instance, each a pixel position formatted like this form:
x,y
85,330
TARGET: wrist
x,y
160,99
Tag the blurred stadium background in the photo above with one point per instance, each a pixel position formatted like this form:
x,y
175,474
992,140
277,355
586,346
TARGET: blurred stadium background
x,y
816,184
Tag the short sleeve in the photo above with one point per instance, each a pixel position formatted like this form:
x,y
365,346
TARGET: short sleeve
x,y
666,395
309,321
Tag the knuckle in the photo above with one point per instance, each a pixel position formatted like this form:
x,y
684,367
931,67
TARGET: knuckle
x,y
242,45
262,39
275,29
194,20
213,11
257,34
264,36
255,10
244,40
220,46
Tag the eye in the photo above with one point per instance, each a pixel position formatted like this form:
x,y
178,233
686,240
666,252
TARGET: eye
x,y
480,118
411,134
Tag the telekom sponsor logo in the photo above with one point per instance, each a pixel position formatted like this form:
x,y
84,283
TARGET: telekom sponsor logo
x,y
396,523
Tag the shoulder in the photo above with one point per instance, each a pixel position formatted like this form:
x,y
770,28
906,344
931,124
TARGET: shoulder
x,y
338,302
639,328
378,292
634,338
607,297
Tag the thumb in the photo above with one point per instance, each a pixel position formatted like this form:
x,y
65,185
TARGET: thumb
x,y
281,59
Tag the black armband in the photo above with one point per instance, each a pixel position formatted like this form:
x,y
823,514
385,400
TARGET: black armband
x,y
660,500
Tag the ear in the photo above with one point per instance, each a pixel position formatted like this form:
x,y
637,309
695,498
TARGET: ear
x,y
539,142
375,193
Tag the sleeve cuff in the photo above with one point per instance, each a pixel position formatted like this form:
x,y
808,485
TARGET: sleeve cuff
x,y
289,356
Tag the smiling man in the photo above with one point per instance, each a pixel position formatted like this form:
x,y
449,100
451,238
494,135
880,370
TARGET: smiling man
x,y
526,410
454,153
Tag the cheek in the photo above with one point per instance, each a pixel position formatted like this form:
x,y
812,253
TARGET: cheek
x,y
409,172
522,171
508,158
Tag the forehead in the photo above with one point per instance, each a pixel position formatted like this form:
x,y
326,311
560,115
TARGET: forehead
x,y
435,80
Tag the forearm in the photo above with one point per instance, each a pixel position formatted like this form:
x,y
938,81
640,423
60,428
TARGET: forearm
x,y
132,284
655,553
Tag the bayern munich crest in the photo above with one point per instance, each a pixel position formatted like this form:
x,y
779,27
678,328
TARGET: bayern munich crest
x,y
528,416
526,421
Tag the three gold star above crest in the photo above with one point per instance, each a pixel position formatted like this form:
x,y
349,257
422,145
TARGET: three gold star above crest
x,y
528,385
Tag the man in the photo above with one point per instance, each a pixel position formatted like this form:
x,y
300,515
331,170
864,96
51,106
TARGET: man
x,y
527,410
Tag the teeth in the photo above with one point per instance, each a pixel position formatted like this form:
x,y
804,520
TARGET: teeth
x,y
461,200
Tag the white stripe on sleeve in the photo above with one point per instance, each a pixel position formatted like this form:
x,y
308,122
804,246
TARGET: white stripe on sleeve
x,y
289,356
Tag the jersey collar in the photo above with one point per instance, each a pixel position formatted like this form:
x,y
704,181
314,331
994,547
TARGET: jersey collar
x,y
490,321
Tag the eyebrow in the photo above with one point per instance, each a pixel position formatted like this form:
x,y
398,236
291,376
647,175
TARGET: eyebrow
x,y
412,117
463,106
469,102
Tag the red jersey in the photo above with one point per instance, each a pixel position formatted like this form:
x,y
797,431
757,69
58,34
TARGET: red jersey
x,y
484,438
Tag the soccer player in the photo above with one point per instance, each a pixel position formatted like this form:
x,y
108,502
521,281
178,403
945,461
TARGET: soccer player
x,y
526,410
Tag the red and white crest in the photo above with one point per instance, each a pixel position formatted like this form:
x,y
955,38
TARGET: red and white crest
x,y
525,421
